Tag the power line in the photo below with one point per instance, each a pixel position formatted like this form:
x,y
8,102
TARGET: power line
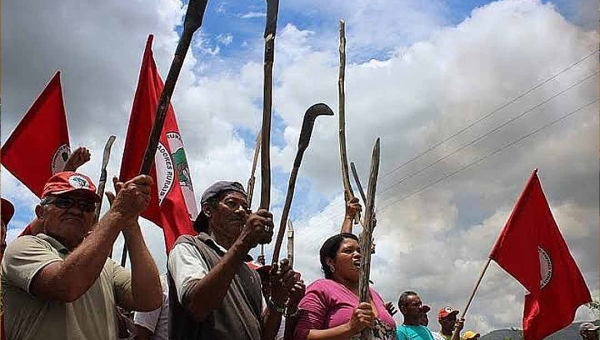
x,y
523,94
524,113
490,154
489,114
393,202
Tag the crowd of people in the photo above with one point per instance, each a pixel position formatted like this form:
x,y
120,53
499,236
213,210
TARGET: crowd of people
x,y
58,281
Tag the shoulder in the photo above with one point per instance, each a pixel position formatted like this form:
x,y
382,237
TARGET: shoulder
x,y
324,286
23,243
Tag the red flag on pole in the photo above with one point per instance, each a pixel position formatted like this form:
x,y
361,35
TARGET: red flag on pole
x,y
173,205
533,251
39,146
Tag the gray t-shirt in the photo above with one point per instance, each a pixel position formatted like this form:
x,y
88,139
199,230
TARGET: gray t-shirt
x,y
156,321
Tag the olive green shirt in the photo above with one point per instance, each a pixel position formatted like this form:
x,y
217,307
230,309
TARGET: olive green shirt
x,y
92,316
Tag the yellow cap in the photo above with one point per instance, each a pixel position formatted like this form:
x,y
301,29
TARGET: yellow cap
x,y
470,335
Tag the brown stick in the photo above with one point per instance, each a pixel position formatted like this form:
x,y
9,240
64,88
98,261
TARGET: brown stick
x,y
265,152
462,315
193,21
366,236
250,188
348,194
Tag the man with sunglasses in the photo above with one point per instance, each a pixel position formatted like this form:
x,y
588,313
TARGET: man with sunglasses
x,y
213,293
60,284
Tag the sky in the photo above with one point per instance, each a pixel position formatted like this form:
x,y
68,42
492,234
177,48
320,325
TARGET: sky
x,y
468,97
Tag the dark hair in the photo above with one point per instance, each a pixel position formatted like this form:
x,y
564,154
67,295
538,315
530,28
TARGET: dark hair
x,y
329,250
404,296
201,222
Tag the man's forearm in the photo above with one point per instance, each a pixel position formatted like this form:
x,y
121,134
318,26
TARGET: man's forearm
x,y
145,281
271,323
208,293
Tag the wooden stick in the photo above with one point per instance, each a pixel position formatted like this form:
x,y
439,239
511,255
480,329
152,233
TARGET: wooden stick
x,y
250,188
193,21
462,314
366,236
265,152
290,244
348,194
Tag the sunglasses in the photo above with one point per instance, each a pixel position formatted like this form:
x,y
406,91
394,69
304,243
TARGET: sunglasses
x,y
84,205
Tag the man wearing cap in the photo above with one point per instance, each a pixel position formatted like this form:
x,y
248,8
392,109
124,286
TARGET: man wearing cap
x,y
213,293
448,321
7,210
60,284
470,335
588,331
412,309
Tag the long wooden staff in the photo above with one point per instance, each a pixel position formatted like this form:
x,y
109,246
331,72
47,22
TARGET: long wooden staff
x,y
462,315
193,21
307,126
366,235
265,152
348,194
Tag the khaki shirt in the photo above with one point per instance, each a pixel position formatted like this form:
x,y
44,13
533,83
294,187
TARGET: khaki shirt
x,y
92,316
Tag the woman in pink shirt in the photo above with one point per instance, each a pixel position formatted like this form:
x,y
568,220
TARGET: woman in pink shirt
x,y
331,309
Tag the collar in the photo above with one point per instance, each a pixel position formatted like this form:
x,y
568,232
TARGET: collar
x,y
54,243
204,237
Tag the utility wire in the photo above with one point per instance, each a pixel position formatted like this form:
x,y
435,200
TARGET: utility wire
x,y
490,154
389,172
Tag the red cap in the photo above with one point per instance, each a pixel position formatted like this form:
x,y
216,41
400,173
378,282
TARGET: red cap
x,y
68,181
444,312
7,210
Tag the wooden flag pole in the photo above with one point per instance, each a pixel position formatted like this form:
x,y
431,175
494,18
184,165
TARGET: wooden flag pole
x,y
462,314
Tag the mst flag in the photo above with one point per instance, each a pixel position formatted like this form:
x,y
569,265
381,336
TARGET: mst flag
x,y
39,146
172,205
533,251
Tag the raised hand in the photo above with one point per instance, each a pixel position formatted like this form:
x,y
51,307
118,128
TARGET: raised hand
x,y
390,308
362,317
77,158
133,196
258,229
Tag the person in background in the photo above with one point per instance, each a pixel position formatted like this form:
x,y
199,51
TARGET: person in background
x,y
411,308
154,325
448,322
588,331
470,335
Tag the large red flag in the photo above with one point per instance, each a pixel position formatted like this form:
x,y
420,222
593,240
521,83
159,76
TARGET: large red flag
x,y
172,205
533,251
39,146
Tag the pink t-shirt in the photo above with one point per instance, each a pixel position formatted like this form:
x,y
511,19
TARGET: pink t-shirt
x,y
329,304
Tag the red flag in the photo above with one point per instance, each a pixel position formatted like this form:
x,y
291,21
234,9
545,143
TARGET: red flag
x,y
39,146
533,251
172,205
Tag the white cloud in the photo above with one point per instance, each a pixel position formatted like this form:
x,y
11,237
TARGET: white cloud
x,y
252,15
434,242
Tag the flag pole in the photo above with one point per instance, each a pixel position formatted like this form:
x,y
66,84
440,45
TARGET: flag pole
x,y
462,314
